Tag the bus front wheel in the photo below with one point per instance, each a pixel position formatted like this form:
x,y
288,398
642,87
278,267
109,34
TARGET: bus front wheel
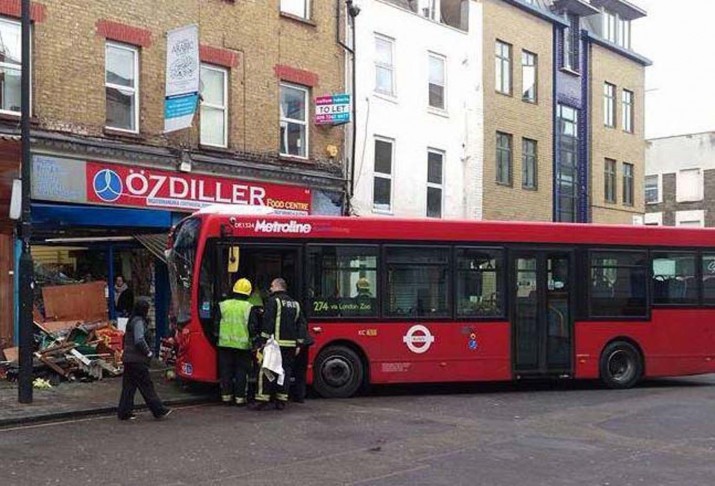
x,y
338,372
621,365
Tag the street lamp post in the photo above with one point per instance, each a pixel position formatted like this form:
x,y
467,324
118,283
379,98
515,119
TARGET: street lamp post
x,y
25,225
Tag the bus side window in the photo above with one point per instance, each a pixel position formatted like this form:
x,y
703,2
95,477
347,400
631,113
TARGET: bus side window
x,y
479,282
618,284
418,281
342,281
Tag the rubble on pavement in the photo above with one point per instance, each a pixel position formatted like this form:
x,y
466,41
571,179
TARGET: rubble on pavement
x,y
74,342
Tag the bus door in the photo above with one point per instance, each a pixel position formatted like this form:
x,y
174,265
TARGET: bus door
x,y
542,284
260,264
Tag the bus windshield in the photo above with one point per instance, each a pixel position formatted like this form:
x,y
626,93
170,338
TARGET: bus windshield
x,y
182,258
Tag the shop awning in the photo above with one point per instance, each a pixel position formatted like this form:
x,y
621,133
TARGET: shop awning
x,y
156,244
69,216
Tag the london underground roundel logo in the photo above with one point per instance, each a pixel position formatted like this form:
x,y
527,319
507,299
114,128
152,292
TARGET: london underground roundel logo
x,y
418,339
107,185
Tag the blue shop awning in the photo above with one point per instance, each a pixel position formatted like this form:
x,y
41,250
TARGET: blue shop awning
x,y
67,216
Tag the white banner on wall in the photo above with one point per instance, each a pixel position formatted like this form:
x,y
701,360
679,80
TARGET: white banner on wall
x,y
182,77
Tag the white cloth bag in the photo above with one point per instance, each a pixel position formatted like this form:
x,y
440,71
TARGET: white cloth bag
x,y
272,364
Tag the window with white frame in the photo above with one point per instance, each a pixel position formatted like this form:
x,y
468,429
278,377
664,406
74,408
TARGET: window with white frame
x,y
652,189
689,185
294,121
572,43
382,184
435,169
214,106
503,67
627,104
384,65
299,8
653,219
430,9
616,29
624,33
10,66
529,76
437,81
609,26
609,105
692,219
122,87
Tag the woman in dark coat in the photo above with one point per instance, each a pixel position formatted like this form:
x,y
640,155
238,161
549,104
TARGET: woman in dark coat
x,y
137,355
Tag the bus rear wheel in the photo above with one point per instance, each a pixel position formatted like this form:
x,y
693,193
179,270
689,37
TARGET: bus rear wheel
x,y
338,372
621,365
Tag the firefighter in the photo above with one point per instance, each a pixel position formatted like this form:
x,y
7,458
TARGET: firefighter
x,y
283,319
237,319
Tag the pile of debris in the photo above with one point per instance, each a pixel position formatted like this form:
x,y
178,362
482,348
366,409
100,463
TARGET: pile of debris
x,y
73,340
71,351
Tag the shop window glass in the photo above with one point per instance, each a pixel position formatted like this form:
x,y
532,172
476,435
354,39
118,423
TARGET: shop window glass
x,y
418,282
342,281
674,278
479,283
618,284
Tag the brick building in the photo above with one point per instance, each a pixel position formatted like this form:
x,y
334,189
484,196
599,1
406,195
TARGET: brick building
x,y
104,171
680,181
518,112
551,152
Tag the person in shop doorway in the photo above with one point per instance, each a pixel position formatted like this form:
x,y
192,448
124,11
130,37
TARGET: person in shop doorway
x,y
284,320
137,356
238,324
123,297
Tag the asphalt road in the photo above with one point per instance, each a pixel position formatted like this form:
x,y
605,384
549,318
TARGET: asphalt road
x,y
661,433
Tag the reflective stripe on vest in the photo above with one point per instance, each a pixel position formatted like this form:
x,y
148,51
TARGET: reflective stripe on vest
x,y
286,343
233,329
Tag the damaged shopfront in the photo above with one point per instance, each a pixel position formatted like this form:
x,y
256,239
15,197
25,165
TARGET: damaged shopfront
x,y
100,228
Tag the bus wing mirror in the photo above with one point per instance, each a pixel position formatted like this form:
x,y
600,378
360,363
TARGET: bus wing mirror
x,y
233,259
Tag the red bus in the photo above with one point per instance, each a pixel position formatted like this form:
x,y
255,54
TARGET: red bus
x,y
417,301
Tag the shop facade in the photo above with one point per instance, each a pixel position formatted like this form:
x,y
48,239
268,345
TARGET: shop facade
x,y
101,212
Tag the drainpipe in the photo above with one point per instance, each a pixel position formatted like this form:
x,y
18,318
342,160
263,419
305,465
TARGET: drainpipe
x,y
353,11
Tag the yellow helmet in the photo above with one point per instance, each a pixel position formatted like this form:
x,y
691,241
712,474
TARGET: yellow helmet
x,y
243,287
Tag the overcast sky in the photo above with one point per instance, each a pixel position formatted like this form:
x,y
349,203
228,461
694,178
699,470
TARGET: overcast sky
x,y
679,37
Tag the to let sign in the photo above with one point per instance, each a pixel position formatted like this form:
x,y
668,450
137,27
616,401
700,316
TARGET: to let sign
x,y
332,109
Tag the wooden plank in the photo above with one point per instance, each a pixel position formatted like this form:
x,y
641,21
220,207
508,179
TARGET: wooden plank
x,y
52,365
11,354
53,327
6,289
64,347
